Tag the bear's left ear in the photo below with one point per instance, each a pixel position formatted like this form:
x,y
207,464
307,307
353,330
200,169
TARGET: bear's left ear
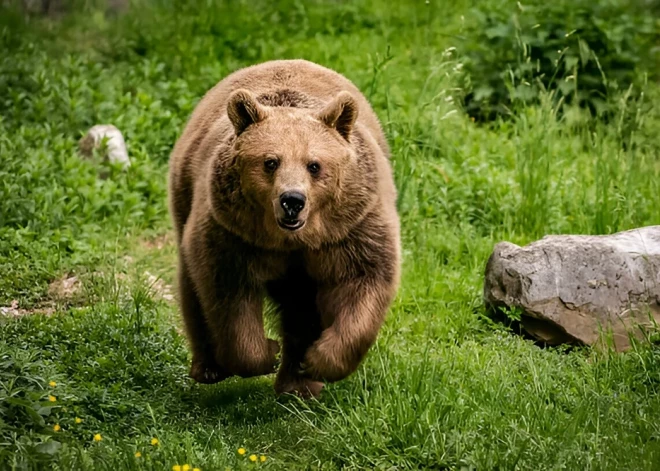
x,y
340,114
243,110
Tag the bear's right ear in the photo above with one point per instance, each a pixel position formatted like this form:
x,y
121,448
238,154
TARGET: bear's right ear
x,y
243,110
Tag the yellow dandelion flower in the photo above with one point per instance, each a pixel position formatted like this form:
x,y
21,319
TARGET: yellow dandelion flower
x,y
262,458
185,467
176,467
241,451
57,427
78,420
52,384
196,469
138,454
154,441
98,437
52,398
253,458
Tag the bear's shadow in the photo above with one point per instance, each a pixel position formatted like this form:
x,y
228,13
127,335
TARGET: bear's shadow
x,y
239,401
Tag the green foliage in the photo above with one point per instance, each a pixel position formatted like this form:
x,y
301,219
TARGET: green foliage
x,y
587,51
55,211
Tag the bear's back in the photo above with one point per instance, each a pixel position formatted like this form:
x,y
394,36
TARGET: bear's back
x,y
293,82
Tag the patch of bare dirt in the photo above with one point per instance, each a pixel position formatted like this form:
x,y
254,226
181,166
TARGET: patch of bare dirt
x,y
14,311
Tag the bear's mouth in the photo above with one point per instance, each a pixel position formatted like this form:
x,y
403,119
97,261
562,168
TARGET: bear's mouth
x,y
290,225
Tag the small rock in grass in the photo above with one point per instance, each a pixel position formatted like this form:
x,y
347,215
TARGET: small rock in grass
x,y
115,146
11,310
159,287
572,288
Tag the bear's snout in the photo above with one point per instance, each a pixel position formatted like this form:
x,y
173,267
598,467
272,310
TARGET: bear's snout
x,y
292,203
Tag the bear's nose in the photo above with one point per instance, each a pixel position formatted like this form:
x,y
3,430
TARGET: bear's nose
x,y
292,203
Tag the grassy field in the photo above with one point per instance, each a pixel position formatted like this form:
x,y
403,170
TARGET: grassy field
x,y
445,387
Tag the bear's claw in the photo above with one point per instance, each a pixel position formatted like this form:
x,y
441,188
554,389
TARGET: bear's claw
x,y
207,374
301,387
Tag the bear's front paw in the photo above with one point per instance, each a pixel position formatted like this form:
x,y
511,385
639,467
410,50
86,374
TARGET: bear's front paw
x,y
207,372
304,388
327,360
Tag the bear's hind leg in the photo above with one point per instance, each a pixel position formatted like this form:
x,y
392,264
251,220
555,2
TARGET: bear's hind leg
x,y
301,327
204,368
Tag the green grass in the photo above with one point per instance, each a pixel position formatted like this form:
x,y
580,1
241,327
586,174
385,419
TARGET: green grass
x,y
444,387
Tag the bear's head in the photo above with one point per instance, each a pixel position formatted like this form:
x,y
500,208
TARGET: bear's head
x,y
292,176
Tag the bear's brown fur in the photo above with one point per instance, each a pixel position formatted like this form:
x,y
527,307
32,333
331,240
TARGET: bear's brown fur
x,y
271,148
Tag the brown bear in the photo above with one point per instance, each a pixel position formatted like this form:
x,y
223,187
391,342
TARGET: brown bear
x,y
281,186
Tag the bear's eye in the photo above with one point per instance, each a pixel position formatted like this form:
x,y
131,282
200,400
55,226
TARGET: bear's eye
x,y
271,164
314,168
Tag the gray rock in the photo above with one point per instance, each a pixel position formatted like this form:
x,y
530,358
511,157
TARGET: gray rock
x,y
116,147
572,289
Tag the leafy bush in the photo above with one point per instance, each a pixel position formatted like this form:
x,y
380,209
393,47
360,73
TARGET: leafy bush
x,y
584,50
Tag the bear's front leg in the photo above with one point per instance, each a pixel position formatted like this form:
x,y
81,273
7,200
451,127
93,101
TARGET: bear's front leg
x,y
353,313
235,317
231,302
